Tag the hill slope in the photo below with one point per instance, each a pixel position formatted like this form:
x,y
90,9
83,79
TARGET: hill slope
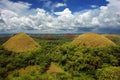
x,y
20,43
26,70
55,69
92,40
113,37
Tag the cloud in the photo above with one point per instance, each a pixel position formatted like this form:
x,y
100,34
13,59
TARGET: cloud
x,y
102,19
18,7
60,5
53,5
47,4
94,6
64,13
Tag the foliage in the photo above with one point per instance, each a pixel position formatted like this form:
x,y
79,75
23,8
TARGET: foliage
x,y
113,37
10,61
83,59
82,63
32,76
108,73
84,76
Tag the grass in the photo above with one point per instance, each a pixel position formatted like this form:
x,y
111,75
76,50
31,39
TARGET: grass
x,y
54,68
113,37
22,71
20,43
92,40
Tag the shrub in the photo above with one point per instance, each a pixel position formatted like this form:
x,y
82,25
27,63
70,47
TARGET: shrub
x,y
108,73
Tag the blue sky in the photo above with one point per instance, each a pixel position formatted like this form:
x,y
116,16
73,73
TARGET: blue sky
x,y
73,5
60,16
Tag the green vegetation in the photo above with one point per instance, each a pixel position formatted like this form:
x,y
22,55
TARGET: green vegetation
x,y
108,73
57,59
77,60
113,37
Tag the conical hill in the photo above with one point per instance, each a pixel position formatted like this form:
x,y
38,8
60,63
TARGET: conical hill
x,y
92,40
20,42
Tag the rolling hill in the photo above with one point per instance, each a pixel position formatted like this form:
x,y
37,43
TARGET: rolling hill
x,y
92,40
20,42
55,69
113,37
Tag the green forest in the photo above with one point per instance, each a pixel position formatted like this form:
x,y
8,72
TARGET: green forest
x,y
74,62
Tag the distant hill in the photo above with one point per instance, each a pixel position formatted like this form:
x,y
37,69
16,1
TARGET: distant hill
x,y
26,70
48,36
69,36
20,42
92,40
113,37
55,69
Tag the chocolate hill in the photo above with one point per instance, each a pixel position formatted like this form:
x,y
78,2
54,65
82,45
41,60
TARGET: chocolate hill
x,y
92,40
55,69
20,42
113,37
25,70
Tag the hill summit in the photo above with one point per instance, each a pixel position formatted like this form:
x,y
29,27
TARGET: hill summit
x,y
92,40
20,42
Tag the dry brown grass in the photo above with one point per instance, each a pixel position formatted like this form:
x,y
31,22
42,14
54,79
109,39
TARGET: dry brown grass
x,y
55,69
29,69
92,40
113,37
20,43
22,71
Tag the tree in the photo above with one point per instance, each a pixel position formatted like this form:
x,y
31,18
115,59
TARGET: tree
x,y
108,73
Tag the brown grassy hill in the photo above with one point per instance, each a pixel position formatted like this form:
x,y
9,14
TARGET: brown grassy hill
x,y
20,43
26,70
113,37
55,69
92,40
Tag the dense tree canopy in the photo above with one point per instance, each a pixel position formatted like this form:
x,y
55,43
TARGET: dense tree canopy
x,y
81,63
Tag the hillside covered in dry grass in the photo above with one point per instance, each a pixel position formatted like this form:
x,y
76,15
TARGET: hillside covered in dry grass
x,y
92,40
20,43
113,37
90,57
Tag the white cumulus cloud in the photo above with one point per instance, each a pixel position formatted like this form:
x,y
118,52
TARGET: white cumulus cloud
x,y
18,7
102,19
60,5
